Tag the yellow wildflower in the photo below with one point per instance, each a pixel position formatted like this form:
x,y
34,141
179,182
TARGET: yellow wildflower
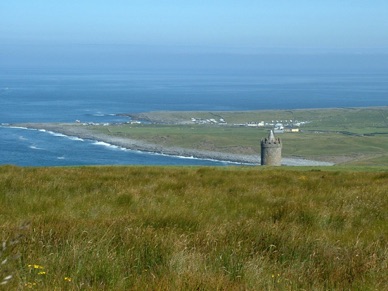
x,y
68,279
30,284
36,266
42,273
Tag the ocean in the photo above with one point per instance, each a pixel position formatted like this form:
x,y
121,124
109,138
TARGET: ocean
x,y
66,96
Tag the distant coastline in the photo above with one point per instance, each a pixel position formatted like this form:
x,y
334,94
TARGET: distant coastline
x,y
81,131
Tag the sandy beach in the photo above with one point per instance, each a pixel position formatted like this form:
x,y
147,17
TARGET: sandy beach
x,y
82,131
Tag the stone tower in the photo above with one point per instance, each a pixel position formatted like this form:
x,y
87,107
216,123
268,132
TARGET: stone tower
x,y
271,150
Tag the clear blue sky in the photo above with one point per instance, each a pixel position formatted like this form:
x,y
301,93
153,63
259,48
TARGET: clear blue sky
x,y
216,24
202,34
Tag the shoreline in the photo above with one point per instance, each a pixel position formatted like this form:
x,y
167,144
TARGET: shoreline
x,y
81,131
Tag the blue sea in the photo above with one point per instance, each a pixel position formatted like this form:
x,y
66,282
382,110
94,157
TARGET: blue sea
x,y
65,96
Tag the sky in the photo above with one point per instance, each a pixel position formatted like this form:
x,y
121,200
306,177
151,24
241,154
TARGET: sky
x,y
43,28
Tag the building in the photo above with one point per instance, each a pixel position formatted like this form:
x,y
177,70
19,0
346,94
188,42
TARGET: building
x,y
271,150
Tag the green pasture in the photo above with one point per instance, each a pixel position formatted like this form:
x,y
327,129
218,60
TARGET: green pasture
x,y
351,136
193,228
224,139
330,119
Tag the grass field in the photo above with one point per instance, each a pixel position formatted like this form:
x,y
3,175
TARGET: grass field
x,y
331,118
189,228
354,136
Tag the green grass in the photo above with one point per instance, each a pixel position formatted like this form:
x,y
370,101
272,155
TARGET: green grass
x,y
320,145
328,119
354,136
223,139
123,228
330,145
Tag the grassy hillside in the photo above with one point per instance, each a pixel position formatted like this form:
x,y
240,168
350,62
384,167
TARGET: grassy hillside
x,y
120,228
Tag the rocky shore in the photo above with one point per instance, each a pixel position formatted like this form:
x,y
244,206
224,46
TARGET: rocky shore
x,y
82,131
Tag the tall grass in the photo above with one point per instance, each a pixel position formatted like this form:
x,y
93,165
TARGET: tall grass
x,y
121,228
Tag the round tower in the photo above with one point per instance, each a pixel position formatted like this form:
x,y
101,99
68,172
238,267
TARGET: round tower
x,y
271,150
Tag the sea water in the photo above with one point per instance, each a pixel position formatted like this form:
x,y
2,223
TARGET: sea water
x,y
67,96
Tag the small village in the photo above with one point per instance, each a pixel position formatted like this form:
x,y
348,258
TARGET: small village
x,y
278,126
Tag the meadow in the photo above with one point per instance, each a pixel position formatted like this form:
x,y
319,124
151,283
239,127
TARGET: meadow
x,y
351,136
193,228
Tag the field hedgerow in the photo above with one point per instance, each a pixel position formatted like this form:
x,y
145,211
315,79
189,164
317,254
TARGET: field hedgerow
x,y
121,228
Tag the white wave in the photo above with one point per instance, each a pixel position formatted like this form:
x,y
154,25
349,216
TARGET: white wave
x,y
54,133
33,147
198,158
63,135
145,152
60,158
105,144
17,127
74,138
115,147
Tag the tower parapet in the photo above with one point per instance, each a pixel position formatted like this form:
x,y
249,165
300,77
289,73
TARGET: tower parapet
x,y
271,150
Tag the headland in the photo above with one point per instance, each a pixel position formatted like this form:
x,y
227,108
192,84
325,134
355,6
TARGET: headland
x,y
312,137
87,132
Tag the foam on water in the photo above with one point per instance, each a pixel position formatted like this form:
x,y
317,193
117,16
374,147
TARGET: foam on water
x,y
33,147
108,145
74,138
